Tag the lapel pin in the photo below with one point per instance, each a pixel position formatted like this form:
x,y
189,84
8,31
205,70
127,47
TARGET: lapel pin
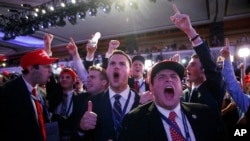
x,y
194,116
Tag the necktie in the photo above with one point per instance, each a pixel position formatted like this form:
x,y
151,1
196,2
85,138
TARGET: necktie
x,y
40,114
194,95
136,86
117,110
174,134
64,105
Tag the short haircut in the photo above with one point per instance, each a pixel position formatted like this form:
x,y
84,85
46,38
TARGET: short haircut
x,y
120,52
101,70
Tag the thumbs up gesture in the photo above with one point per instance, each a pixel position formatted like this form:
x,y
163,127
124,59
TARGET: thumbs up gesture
x,y
88,121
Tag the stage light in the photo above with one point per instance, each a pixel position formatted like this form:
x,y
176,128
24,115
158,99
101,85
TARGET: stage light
x,y
82,15
51,8
63,4
119,6
73,1
133,4
106,8
60,21
92,11
72,19
44,25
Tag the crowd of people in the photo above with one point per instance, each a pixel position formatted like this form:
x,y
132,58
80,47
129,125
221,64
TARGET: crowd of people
x,y
117,102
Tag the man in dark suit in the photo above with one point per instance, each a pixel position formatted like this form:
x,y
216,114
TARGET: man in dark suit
x,y
152,121
137,75
100,122
21,118
137,80
205,75
156,121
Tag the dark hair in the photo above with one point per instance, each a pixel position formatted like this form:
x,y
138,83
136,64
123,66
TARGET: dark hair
x,y
195,56
122,53
25,71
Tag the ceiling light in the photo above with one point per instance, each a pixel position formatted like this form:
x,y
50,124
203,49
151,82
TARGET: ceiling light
x,y
63,4
12,10
60,21
82,15
119,7
106,8
92,11
72,19
133,4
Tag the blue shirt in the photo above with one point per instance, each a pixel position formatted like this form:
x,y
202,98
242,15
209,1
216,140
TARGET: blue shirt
x,y
241,99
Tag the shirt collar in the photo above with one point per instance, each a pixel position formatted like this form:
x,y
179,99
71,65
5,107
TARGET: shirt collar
x,y
124,94
140,80
165,112
29,86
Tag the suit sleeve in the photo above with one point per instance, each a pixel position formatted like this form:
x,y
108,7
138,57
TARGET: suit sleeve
x,y
212,72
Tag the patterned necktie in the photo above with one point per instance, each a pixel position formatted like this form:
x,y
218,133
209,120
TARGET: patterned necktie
x,y
64,105
117,110
174,134
136,86
40,114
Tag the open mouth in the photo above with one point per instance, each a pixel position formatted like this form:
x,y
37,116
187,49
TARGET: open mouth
x,y
169,92
116,75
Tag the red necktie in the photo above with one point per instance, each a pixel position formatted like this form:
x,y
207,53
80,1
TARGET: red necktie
x,y
174,134
136,86
40,115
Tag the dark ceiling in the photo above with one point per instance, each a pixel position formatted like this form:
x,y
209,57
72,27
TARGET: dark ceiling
x,y
151,15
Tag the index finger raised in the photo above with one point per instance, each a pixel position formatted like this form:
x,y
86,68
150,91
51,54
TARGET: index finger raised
x,y
176,10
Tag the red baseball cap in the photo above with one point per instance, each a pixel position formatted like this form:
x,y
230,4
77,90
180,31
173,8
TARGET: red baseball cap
x,y
70,71
39,57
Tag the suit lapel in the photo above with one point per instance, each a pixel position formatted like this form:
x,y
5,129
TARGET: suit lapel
x,y
193,120
157,128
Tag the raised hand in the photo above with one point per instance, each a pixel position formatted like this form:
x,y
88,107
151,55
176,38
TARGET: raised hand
x,y
225,52
113,44
176,57
72,48
47,39
89,118
182,21
90,49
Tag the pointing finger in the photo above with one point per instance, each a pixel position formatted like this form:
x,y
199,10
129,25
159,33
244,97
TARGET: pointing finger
x,y
176,10
72,40
227,43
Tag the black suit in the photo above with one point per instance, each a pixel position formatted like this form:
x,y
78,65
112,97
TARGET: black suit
x,y
144,123
104,129
131,82
212,91
18,120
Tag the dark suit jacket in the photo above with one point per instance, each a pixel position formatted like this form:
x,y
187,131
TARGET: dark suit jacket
x,y
131,82
144,124
18,117
212,91
104,128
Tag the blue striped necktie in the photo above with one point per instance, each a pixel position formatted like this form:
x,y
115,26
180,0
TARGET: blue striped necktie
x,y
117,110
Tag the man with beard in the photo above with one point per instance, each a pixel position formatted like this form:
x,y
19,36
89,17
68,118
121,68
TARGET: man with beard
x,y
22,107
105,112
